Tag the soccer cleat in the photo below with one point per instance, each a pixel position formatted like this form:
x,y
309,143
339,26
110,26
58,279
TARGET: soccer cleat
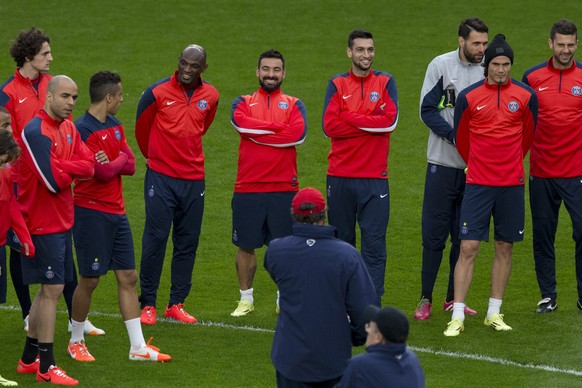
x,y
91,329
7,383
454,328
423,310
78,351
88,329
148,315
23,368
56,375
448,306
496,321
149,353
178,313
244,307
26,324
547,305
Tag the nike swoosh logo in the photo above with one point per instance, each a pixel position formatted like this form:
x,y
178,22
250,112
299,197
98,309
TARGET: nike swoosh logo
x,y
202,193
383,195
42,377
21,101
104,137
144,356
346,97
73,354
521,232
540,88
253,104
481,107
170,102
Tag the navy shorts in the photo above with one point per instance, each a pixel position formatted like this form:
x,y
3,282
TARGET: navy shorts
x,y
53,261
504,203
258,218
103,242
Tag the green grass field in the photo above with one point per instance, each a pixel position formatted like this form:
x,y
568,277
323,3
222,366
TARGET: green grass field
x,y
142,41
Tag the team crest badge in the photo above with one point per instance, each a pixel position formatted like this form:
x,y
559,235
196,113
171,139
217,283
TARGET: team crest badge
x,y
69,139
513,106
374,96
49,273
15,239
464,229
151,192
95,266
202,104
283,105
310,242
576,90
234,236
433,169
117,134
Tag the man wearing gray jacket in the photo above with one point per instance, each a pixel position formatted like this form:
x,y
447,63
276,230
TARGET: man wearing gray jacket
x,y
445,77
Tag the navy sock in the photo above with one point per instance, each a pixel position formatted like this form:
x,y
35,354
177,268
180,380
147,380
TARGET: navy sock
x,y
30,350
426,295
47,356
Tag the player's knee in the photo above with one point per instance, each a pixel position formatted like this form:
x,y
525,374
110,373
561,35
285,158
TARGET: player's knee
x,y
127,278
51,291
89,283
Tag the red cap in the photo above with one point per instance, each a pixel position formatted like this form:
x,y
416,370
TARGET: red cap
x,y
308,195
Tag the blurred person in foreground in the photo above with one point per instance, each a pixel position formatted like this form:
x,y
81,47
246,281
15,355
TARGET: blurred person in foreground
x,y
324,288
388,363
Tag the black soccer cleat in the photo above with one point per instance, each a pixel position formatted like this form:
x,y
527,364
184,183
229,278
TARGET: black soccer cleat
x,y
548,305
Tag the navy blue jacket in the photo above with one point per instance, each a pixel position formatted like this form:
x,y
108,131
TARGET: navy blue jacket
x,y
384,366
322,281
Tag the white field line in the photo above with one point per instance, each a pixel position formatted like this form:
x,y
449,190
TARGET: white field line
x,y
494,360
466,356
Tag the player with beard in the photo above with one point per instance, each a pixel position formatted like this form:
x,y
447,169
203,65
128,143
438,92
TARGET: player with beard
x,y
444,186
270,124
172,116
360,111
556,160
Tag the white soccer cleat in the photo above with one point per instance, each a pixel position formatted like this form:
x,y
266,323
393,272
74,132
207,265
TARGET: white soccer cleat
x,y
89,329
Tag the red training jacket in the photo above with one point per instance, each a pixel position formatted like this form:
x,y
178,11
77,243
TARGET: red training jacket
x,y
10,215
359,113
52,156
494,127
270,126
104,192
556,151
169,127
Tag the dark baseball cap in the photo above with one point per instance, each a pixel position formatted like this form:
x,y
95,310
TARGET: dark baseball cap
x,y
392,323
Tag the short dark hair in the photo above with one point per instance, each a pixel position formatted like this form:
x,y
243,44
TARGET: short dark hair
x,y
272,53
472,24
8,145
310,218
563,27
27,44
358,34
103,83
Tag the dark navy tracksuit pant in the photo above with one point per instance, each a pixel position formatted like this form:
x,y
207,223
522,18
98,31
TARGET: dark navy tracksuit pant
x,y
177,203
366,201
546,196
